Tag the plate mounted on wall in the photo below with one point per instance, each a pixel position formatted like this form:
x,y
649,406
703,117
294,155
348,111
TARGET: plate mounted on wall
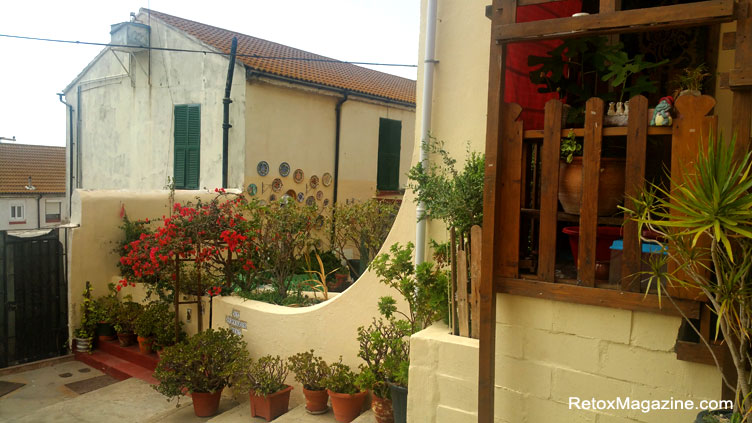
x,y
314,181
326,179
284,169
298,175
252,189
262,168
276,184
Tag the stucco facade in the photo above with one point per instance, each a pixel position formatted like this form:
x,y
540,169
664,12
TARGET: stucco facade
x,y
123,123
35,209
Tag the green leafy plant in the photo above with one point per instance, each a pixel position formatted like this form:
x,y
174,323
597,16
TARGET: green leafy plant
x,y
127,314
621,68
164,333
691,79
570,147
342,379
106,307
264,376
154,316
384,346
88,317
452,196
205,362
310,370
707,221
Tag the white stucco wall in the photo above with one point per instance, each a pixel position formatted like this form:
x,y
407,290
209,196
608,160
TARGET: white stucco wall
x,y
126,114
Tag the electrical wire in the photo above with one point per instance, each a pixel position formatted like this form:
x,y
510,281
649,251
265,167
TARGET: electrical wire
x,y
181,50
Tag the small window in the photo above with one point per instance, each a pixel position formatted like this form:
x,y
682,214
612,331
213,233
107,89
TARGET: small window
x,y
17,213
388,165
52,211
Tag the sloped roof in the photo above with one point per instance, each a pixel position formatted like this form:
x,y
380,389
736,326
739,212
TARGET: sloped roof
x,y
45,164
334,74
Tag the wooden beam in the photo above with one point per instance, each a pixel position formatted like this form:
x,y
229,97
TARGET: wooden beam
x,y
698,352
740,79
598,297
634,177
609,6
503,12
634,20
729,41
532,2
609,131
741,103
591,169
507,253
550,153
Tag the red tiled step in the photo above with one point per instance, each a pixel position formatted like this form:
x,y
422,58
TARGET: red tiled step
x,y
116,367
132,354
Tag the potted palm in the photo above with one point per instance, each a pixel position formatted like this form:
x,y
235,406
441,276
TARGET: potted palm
x,y
344,389
707,220
310,371
265,380
202,365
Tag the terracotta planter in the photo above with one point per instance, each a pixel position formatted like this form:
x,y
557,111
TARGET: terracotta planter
x,y
206,404
347,407
382,409
126,339
105,332
144,345
610,185
399,402
270,406
316,401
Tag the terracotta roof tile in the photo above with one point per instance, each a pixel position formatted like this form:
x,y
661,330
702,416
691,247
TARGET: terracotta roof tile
x,y
45,164
335,74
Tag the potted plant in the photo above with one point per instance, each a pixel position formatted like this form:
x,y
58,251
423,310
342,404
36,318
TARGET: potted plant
x,y
155,315
318,283
347,396
127,314
310,371
690,81
83,335
707,221
202,365
610,181
105,314
265,380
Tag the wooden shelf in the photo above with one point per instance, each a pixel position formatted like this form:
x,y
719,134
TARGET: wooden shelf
x,y
609,131
566,217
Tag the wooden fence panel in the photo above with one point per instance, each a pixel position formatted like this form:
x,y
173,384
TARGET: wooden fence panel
x,y
462,305
591,165
476,234
549,203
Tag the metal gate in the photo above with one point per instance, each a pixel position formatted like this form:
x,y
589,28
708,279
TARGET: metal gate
x,y
33,298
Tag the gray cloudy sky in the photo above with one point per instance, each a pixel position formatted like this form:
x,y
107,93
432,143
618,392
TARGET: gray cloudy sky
x,y
31,72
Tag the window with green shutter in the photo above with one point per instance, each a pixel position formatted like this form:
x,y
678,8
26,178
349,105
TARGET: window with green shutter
x,y
387,174
187,146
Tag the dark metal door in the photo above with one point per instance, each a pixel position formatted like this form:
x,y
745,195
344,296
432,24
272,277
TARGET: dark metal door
x,y
33,299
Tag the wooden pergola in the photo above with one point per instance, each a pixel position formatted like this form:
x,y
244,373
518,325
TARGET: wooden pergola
x,y
505,161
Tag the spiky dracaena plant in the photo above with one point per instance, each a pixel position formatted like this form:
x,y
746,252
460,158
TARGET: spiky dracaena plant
x,y
706,222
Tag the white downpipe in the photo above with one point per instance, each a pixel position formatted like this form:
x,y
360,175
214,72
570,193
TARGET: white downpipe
x,y
425,120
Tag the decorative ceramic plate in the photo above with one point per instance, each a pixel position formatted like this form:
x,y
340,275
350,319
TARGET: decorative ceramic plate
x,y
326,179
272,198
301,196
320,195
297,176
314,181
284,169
252,189
262,168
319,222
276,184
310,201
326,202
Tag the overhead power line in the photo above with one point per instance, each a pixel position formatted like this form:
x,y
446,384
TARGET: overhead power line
x,y
182,50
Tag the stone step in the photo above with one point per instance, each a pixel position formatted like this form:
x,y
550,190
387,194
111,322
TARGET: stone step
x,y
242,413
116,367
131,353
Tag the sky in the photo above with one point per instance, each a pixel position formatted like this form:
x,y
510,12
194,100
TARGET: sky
x,y
32,72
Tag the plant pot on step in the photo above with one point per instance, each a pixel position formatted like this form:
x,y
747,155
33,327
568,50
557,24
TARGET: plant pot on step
x,y
382,409
145,344
126,339
83,345
610,185
105,332
399,402
347,407
206,404
270,406
316,401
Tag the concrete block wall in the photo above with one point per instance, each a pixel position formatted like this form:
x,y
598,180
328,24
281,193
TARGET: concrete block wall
x,y
548,351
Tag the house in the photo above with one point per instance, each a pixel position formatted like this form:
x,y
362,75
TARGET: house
x,y
32,187
149,110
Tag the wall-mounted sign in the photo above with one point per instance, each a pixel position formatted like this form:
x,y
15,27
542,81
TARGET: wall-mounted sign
x,y
236,325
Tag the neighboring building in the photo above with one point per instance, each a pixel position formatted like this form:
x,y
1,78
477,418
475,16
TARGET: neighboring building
x,y
138,116
32,187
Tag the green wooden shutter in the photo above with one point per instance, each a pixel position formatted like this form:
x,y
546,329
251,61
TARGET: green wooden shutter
x,y
387,174
187,146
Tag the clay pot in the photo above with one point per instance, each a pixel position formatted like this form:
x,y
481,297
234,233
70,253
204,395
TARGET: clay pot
x,y
347,407
270,406
382,409
126,339
316,401
206,404
105,332
144,344
610,185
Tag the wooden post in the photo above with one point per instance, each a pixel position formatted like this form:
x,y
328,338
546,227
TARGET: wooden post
x,y
634,177
741,110
176,299
502,11
453,282
476,234
549,206
591,166
462,300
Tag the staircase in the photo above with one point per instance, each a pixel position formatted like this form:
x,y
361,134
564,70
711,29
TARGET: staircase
x,y
121,362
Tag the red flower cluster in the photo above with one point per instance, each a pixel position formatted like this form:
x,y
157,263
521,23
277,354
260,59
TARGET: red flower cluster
x,y
122,283
214,291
